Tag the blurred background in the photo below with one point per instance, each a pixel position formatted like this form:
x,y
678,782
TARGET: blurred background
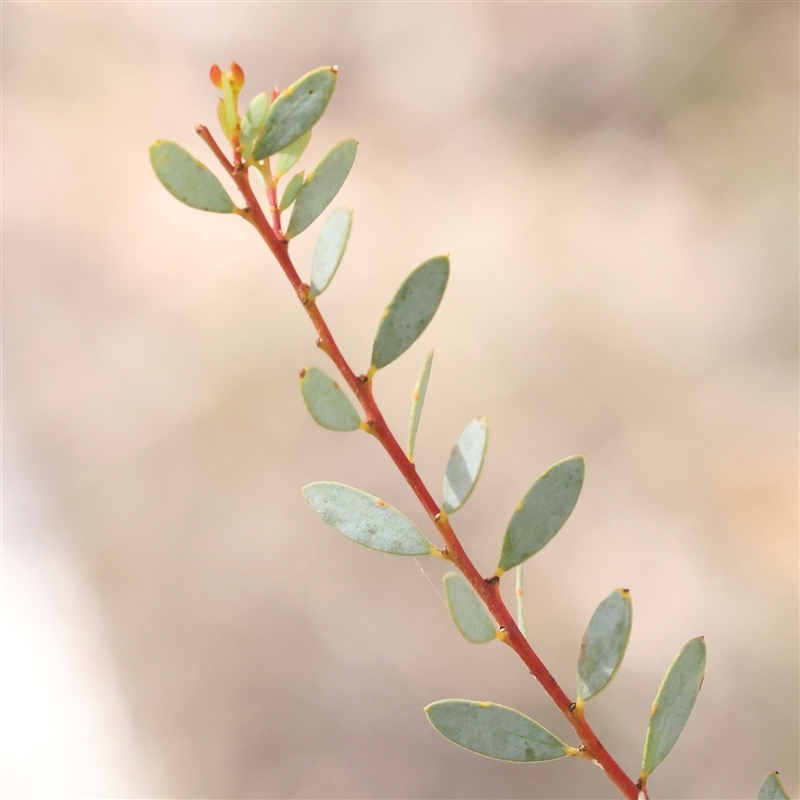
x,y
617,186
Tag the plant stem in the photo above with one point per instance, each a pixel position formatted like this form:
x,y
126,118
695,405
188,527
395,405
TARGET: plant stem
x,y
488,589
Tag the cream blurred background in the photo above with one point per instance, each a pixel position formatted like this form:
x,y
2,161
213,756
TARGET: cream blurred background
x,y
617,185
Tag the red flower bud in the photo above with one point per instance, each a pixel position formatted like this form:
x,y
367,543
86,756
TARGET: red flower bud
x,y
216,76
237,77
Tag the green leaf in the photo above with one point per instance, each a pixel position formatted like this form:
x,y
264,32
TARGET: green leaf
x,y
329,249
673,704
326,402
410,311
366,519
185,178
542,512
468,612
604,643
253,123
290,155
772,788
495,731
464,466
417,401
322,185
224,120
296,110
290,192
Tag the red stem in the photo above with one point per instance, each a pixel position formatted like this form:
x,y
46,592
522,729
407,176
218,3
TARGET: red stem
x,y
488,589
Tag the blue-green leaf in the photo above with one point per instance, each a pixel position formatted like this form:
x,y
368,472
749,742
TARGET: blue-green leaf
x,y
417,401
329,249
495,731
185,178
772,788
465,464
290,155
253,123
326,402
366,519
542,512
604,643
322,185
673,704
468,612
410,311
290,192
296,110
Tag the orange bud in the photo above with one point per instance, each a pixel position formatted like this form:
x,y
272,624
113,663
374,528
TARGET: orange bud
x,y
237,76
216,76
275,92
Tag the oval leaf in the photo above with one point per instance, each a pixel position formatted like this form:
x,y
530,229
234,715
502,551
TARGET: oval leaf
x,y
468,612
542,512
494,731
410,311
326,402
253,123
366,519
322,185
673,704
604,643
185,178
290,155
295,111
417,401
290,192
464,466
329,249
772,788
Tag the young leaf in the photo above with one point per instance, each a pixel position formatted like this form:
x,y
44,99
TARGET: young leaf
x,y
329,249
495,731
673,704
322,185
468,612
604,643
290,155
410,311
542,512
185,178
253,123
326,402
772,788
464,466
366,519
417,401
290,192
295,111
224,121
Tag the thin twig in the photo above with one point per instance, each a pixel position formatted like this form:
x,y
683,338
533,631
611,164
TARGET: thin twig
x,y
488,589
